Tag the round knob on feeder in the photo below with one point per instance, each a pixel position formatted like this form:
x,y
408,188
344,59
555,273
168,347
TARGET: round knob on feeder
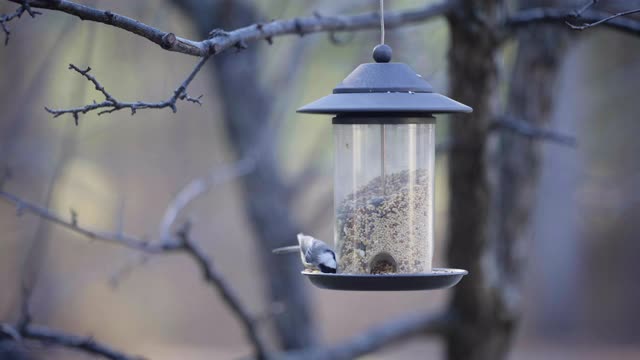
x,y
382,53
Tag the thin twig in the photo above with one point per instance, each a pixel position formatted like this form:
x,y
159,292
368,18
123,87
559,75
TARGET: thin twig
x,y
198,186
595,23
224,290
232,39
552,15
111,104
531,131
132,242
215,177
5,18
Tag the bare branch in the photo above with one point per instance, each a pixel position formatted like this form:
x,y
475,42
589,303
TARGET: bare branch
x,y
181,243
551,15
4,19
595,23
111,104
59,338
242,36
378,337
25,330
531,131
224,290
199,186
122,239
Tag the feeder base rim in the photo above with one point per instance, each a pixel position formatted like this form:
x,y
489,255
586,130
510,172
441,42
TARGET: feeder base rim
x,y
439,278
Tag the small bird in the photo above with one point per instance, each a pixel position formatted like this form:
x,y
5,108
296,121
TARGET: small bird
x,y
315,254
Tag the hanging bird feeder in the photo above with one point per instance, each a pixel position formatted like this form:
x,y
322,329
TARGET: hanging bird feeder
x,y
384,140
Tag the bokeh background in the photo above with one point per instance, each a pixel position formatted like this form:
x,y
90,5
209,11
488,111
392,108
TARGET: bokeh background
x,y
121,171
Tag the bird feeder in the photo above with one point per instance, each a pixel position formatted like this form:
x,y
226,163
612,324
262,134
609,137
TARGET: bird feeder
x,y
384,141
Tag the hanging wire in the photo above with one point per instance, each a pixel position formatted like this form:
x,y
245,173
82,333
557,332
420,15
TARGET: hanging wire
x,y
382,127
381,21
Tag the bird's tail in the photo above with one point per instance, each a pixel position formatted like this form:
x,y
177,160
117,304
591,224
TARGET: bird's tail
x,y
286,249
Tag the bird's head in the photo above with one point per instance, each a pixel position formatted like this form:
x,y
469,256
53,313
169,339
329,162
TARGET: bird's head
x,y
327,262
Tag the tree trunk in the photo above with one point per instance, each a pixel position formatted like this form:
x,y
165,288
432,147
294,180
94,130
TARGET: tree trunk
x,y
479,332
247,110
530,99
487,221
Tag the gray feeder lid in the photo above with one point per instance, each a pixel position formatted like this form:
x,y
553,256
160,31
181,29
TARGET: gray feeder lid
x,y
384,87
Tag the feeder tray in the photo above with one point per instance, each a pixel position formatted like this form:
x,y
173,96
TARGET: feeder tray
x,y
439,278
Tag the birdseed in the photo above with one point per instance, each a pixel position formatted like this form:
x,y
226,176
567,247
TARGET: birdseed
x,y
385,227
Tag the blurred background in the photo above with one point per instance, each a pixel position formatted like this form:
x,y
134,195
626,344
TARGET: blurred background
x,y
121,171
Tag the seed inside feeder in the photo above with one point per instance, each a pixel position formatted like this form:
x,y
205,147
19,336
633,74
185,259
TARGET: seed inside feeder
x,y
384,227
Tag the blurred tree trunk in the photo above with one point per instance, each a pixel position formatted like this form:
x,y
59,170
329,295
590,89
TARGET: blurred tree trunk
x,y
489,220
541,50
247,111
479,333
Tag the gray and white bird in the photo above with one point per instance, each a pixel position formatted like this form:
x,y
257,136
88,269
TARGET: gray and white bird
x,y
315,254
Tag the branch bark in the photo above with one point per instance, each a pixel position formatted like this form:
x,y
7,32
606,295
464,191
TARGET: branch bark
x,y
240,37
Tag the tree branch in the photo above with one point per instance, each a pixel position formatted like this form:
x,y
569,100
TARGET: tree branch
x,y
216,176
4,19
25,330
579,12
181,243
198,186
55,337
218,42
606,19
110,104
531,131
121,239
224,290
267,31
551,15
378,337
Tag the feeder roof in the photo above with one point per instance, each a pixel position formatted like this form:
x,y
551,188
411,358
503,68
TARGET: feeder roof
x,y
384,87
